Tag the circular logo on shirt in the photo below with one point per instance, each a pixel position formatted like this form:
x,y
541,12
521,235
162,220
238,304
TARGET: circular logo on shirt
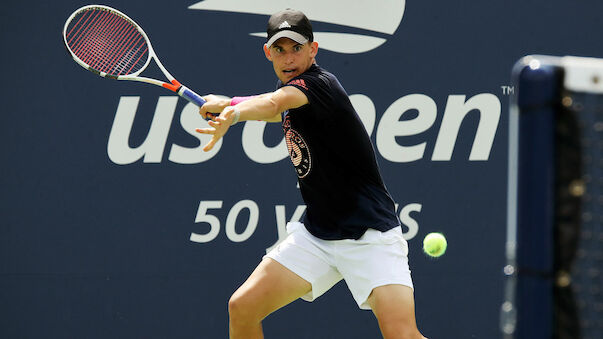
x,y
299,153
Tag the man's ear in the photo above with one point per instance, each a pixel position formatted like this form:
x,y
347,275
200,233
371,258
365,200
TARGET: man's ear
x,y
267,52
313,48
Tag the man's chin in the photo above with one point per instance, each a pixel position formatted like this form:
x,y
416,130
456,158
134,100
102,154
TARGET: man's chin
x,y
286,77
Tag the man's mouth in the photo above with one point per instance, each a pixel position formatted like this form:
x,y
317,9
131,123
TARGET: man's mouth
x,y
289,71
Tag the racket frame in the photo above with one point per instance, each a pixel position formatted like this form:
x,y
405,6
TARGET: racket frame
x,y
173,84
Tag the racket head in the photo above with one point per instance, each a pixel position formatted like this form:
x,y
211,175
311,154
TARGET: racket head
x,y
107,42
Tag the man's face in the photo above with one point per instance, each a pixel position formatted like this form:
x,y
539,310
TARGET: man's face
x,y
290,58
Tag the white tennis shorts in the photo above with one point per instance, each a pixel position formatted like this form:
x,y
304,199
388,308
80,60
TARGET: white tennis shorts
x,y
376,259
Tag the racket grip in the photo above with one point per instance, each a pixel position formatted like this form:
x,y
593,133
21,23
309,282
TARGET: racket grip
x,y
191,96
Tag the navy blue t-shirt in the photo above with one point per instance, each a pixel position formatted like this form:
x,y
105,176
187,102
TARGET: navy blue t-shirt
x,y
334,159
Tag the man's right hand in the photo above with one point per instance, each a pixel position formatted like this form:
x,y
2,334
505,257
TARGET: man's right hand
x,y
213,104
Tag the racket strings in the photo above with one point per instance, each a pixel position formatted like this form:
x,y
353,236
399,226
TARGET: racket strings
x,y
107,42
110,55
89,45
98,46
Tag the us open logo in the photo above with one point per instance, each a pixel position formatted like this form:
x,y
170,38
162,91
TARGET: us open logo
x,y
371,23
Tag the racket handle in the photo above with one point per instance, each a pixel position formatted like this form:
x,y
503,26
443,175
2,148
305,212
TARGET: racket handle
x,y
191,96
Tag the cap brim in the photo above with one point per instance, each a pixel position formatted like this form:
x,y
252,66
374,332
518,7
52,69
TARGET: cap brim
x,y
300,39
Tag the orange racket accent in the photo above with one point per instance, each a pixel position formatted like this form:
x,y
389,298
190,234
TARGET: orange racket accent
x,y
174,87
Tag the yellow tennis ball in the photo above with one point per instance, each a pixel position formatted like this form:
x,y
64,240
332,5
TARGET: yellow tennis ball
x,y
434,244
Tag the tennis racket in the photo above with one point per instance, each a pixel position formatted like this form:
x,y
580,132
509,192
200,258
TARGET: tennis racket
x,y
108,43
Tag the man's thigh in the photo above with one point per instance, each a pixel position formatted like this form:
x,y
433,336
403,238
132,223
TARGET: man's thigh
x,y
395,303
270,287
308,257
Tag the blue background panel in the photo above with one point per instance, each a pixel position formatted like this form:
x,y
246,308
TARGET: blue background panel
x,y
91,248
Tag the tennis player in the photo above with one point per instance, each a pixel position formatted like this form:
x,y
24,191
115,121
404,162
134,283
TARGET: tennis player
x,y
350,230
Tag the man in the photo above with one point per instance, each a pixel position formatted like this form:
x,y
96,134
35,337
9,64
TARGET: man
x,y
350,229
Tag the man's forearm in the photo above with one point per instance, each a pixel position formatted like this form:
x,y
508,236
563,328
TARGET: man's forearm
x,y
261,107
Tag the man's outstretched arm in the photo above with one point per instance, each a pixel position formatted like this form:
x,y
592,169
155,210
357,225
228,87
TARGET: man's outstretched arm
x,y
266,107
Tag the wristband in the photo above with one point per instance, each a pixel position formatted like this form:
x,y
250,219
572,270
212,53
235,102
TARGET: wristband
x,y
237,115
236,100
